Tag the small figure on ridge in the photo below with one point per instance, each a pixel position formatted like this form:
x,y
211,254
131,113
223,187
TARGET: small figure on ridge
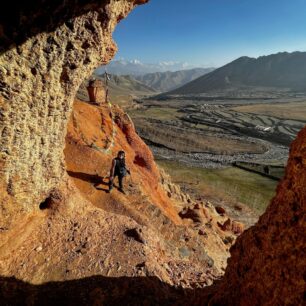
x,y
118,169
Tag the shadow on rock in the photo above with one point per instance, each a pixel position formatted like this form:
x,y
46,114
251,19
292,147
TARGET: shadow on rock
x,y
91,178
95,290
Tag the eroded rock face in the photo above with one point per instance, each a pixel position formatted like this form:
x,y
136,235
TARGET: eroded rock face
x,y
48,48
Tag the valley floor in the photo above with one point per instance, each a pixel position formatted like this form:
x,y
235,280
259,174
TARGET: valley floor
x,y
231,151
243,194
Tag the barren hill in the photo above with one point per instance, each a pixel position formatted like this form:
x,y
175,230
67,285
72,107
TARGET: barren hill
x,y
122,89
281,70
165,81
125,84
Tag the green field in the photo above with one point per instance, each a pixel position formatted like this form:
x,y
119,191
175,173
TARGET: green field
x,y
231,185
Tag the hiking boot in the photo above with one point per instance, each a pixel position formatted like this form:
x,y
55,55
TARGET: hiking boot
x,y
121,190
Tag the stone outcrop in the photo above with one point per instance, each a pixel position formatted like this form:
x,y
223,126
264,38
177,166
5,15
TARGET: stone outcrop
x,y
47,50
173,190
96,91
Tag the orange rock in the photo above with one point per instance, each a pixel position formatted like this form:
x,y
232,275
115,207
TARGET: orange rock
x,y
196,206
205,212
190,214
220,210
237,227
202,232
226,226
96,91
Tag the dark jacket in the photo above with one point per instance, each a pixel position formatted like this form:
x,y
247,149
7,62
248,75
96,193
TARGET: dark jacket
x,y
120,168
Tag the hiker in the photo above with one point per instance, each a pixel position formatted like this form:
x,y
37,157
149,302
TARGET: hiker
x,y
118,169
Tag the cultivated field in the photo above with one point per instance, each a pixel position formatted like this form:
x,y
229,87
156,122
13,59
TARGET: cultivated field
x,y
233,151
293,110
188,140
253,124
234,189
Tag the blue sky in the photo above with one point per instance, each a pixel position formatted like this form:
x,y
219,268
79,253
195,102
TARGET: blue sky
x,y
211,32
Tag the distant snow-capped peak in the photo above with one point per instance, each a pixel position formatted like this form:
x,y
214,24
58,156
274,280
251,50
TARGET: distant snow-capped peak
x,y
137,67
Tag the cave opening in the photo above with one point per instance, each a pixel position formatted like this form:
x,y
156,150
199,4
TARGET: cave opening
x,y
46,204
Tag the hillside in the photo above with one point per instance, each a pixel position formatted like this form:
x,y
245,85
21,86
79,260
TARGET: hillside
x,y
125,84
155,230
165,81
281,70
122,89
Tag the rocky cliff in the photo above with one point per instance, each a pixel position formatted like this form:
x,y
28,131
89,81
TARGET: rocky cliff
x,y
47,50
81,230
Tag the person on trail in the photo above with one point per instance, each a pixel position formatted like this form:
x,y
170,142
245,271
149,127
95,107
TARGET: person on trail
x,y
118,169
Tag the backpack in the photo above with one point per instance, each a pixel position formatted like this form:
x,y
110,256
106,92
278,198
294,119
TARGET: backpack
x,y
120,167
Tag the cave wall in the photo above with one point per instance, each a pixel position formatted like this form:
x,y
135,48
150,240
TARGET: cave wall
x,y
47,49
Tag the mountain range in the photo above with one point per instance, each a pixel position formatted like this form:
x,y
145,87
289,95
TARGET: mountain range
x,y
150,83
165,81
136,67
282,70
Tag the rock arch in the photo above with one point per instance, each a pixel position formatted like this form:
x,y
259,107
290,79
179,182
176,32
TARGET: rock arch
x,y
48,48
